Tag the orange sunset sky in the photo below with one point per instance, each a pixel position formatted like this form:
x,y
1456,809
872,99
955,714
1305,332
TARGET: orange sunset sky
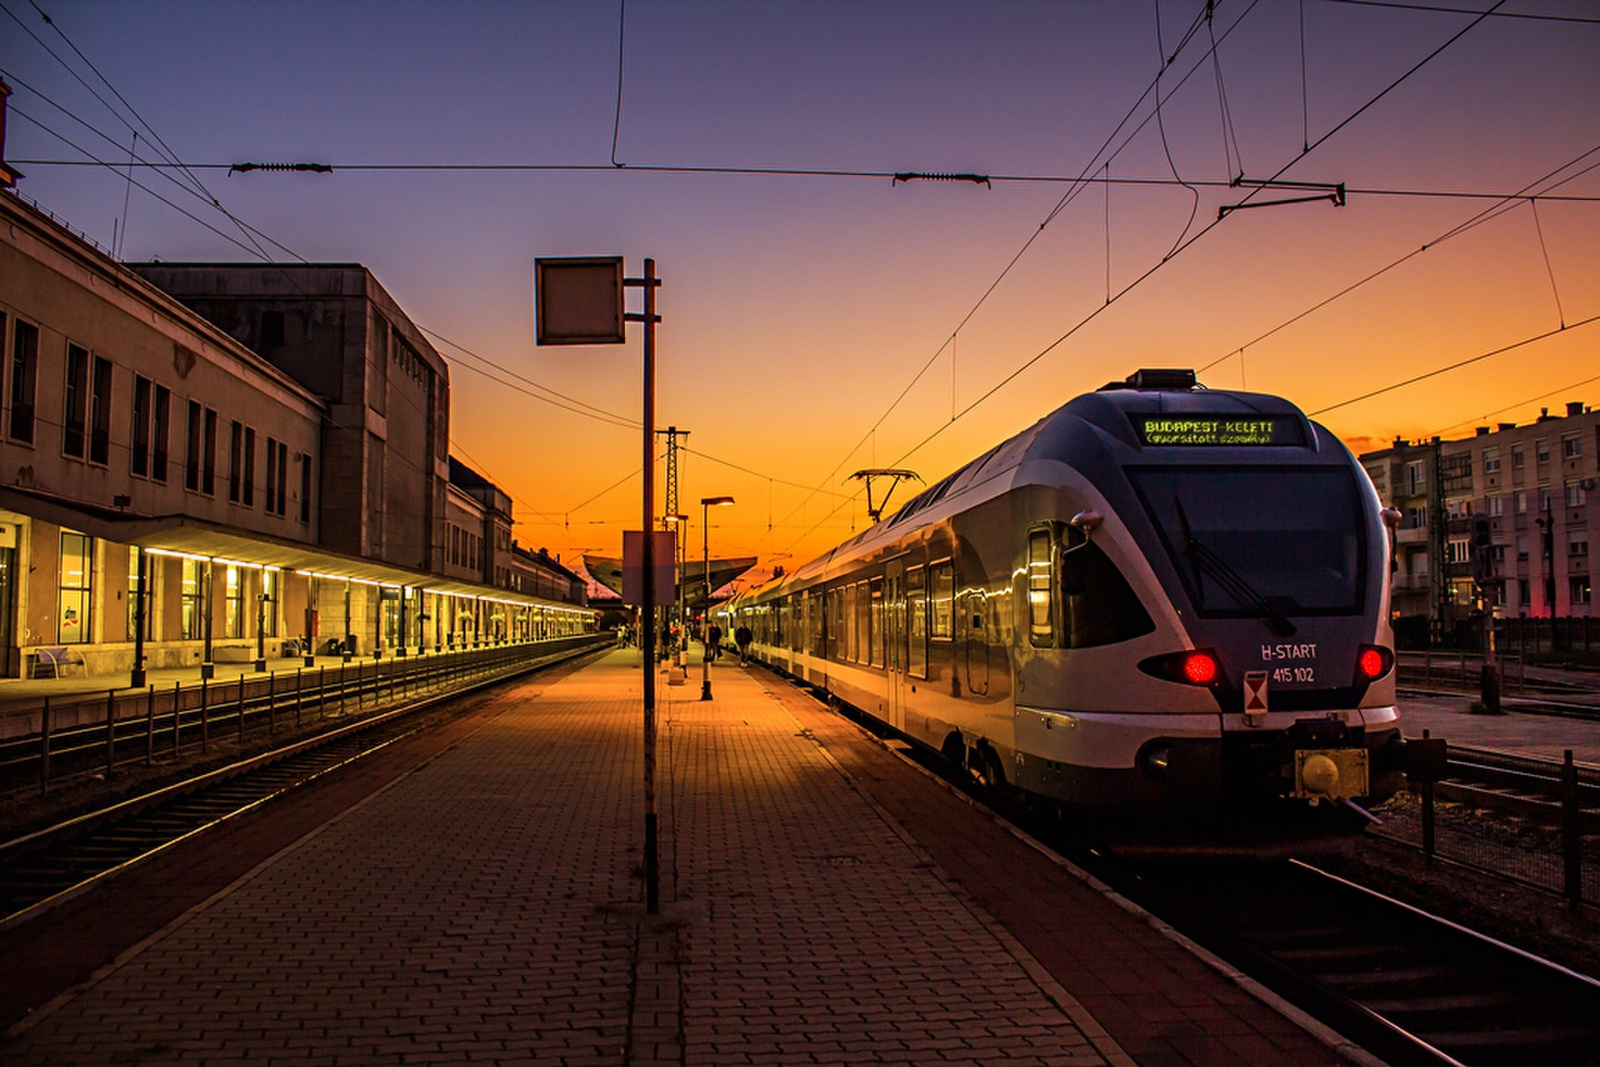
x,y
800,307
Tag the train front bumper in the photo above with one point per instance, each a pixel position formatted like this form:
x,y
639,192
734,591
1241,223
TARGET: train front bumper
x,y
1200,762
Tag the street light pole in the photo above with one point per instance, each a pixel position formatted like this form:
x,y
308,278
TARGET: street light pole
x,y
706,504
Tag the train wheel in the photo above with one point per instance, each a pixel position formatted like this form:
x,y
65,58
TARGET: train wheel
x,y
984,766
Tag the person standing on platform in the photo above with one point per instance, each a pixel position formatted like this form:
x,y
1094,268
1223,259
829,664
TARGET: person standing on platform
x,y
713,641
742,637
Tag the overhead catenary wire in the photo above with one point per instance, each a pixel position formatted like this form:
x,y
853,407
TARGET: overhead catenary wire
x,y
1323,139
1479,358
1527,194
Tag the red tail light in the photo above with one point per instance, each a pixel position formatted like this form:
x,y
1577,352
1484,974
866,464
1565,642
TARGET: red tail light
x,y
1373,662
1195,667
1200,668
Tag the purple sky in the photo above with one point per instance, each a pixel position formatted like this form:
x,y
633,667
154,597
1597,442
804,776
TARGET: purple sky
x,y
797,308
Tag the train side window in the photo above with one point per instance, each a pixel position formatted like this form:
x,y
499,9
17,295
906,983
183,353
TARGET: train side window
x,y
942,595
876,621
917,621
850,595
1041,628
835,601
1098,605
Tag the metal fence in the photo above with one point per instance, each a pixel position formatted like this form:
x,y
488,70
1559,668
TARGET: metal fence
x,y
1543,830
83,734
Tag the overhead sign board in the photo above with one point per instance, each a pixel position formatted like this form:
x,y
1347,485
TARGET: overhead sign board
x,y
1213,430
664,546
578,300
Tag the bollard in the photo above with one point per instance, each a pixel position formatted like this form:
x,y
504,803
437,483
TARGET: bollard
x,y
44,748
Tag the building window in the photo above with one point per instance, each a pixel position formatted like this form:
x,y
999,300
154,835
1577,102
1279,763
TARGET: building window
x,y
1575,494
77,398
75,588
1417,474
269,606
1522,593
139,450
248,493
235,460
1491,460
1578,546
161,417
1496,506
193,448
1546,497
1460,551
191,622
1522,548
272,477
24,381
100,413
283,478
1571,447
1541,451
208,473
1522,502
233,603
1578,589
1517,457
134,554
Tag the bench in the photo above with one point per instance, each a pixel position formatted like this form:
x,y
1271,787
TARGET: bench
x,y
56,661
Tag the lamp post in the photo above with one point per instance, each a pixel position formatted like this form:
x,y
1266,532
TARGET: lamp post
x,y
262,600
706,504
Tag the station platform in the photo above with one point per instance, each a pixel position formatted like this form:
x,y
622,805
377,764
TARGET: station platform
x,y
824,901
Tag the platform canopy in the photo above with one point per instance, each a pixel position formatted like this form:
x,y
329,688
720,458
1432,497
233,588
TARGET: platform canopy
x,y
607,570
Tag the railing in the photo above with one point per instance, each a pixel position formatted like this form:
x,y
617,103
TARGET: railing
x,y
1547,834
81,734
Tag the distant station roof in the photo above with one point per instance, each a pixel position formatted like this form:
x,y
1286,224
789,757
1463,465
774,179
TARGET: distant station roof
x,y
608,572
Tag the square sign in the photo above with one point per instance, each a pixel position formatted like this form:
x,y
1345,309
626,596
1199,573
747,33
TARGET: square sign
x,y
664,545
578,300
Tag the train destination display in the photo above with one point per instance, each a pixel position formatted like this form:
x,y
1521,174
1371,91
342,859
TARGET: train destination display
x,y
1167,430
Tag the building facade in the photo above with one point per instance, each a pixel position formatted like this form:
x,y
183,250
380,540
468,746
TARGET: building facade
x,y
170,495
1527,492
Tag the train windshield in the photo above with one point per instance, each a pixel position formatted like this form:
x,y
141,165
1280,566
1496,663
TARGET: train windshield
x,y
1260,541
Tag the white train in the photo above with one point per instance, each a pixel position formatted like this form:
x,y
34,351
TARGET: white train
x,y
1163,605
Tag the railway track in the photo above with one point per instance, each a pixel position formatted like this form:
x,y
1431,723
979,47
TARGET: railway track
x,y
55,864
1409,987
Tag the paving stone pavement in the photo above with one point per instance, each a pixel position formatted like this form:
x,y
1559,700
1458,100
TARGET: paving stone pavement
x,y
487,908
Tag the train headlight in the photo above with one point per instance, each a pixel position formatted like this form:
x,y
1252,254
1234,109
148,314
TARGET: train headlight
x,y
1373,662
1197,666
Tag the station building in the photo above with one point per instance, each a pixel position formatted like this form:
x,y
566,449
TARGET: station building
x,y
1533,487
205,463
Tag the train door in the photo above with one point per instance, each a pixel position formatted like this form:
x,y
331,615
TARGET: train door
x,y
973,620
894,635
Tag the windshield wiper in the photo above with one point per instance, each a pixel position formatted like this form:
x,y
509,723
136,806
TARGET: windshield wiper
x,y
1231,581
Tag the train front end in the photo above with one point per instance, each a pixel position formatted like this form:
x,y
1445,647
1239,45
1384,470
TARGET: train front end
x,y
1260,702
